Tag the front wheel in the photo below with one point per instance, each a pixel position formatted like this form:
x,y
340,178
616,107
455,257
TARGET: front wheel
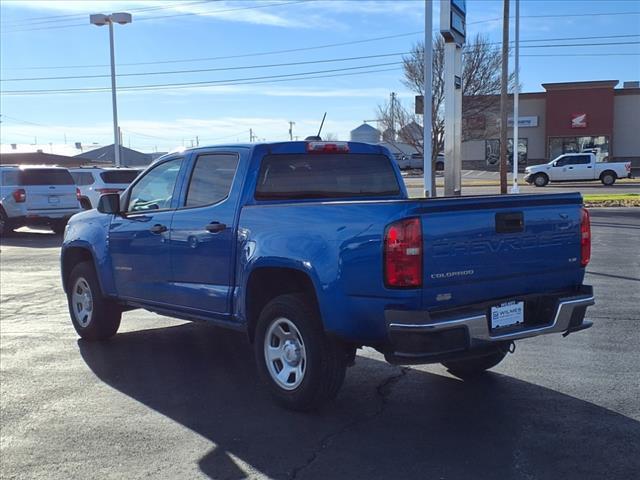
x,y
540,180
470,367
303,367
94,316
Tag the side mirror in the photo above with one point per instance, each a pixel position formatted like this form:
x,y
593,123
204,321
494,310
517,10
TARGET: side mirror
x,y
109,203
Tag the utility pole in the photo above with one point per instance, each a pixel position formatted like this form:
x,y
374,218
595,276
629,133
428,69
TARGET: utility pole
x,y
291,124
504,98
392,109
516,112
197,141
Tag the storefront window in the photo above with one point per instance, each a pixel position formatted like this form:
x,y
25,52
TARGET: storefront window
x,y
492,151
598,145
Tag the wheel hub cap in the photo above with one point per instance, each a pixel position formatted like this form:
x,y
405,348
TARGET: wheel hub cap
x,y
82,302
284,353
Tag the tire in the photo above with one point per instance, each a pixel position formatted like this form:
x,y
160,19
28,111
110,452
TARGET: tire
x,y
93,316
471,367
58,226
291,327
5,225
608,178
540,180
85,203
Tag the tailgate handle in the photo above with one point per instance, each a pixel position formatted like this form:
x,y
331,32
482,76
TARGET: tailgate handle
x,y
511,222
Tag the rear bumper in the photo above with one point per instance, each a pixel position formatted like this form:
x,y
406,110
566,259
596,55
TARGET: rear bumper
x,y
44,215
418,337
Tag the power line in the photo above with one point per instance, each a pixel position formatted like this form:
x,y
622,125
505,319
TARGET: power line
x,y
311,62
200,70
311,75
56,18
257,54
317,47
161,17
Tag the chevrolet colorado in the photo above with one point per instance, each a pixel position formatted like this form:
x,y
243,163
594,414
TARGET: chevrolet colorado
x,y
314,249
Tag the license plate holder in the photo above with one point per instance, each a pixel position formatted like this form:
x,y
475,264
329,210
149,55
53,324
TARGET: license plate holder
x,y
507,314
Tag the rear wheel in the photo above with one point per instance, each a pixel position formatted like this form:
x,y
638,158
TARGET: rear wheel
x,y
540,180
303,367
5,226
470,367
94,316
58,226
608,178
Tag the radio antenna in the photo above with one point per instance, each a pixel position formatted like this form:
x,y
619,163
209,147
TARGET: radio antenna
x,y
322,124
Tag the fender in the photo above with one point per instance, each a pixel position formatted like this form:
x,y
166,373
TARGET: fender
x,y
89,230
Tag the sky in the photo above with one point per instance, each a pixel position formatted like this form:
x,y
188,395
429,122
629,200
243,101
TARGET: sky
x,y
237,45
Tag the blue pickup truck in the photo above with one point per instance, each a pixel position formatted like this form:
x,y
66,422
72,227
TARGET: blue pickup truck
x,y
314,250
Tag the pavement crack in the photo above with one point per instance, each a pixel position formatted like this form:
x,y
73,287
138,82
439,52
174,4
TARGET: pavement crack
x,y
383,390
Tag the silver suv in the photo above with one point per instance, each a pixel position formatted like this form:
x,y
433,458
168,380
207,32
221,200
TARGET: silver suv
x,y
96,181
36,195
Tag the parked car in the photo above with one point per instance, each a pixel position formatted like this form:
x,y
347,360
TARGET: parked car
x,y
314,249
36,196
577,167
416,161
96,181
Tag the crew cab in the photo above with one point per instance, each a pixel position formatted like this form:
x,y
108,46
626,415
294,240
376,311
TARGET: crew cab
x,y
577,167
36,196
314,250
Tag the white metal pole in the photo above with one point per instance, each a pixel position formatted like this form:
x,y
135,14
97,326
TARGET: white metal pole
x,y
516,112
427,120
116,136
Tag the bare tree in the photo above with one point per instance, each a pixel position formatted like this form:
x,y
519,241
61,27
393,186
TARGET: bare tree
x,y
329,136
480,87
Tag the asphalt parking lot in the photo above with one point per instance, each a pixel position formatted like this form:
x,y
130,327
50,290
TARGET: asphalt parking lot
x,y
169,399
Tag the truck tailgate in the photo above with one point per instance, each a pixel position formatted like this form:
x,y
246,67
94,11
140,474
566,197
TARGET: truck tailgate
x,y
483,248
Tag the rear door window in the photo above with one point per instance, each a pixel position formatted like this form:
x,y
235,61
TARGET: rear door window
x,y
119,176
211,179
83,178
46,176
324,176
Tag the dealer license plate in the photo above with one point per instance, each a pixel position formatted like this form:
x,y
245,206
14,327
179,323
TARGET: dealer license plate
x,y
54,199
507,314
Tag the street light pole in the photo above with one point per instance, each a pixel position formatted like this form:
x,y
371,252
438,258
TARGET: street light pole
x,y
116,136
100,20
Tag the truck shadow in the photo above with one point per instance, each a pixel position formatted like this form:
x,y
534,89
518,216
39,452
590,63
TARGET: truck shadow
x,y
388,422
29,238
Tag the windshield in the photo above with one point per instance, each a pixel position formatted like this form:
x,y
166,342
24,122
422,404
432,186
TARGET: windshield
x,y
326,176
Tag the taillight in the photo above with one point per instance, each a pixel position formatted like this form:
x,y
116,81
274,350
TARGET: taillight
x,y
19,195
403,254
585,238
627,166
78,194
327,147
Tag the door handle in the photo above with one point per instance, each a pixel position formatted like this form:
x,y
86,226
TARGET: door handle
x,y
589,166
157,228
570,168
215,227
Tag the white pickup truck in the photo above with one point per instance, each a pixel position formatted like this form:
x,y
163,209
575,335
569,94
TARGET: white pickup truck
x,y
576,167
